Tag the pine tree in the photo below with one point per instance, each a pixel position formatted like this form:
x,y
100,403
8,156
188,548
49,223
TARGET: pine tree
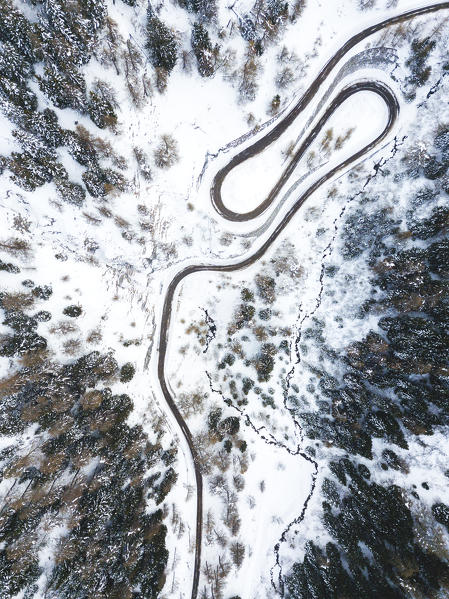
x,y
161,44
203,50
204,9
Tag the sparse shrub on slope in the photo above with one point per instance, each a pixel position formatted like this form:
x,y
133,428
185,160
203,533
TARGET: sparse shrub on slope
x,y
249,72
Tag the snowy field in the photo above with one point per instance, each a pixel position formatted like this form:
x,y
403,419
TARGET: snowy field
x,y
115,257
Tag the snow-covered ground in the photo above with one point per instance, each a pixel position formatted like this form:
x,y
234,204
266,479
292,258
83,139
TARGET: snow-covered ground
x,y
116,258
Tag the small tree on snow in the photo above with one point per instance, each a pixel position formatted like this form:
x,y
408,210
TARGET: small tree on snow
x,y
166,154
237,553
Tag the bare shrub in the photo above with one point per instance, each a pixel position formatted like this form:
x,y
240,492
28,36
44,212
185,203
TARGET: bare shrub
x,y
209,526
104,211
239,482
146,226
243,462
297,9
191,403
220,537
342,139
15,246
17,301
227,63
135,91
95,336
250,120
285,262
326,141
285,77
266,286
72,347
132,57
226,239
233,520
109,53
204,452
248,77
274,105
21,224
366,4
222,460
138,84
92,220
186,58
166,249
64,327
161,79
106,91
142,209
121,222
289,150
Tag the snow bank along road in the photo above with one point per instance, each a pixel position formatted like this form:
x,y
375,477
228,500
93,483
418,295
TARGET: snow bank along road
x,y
393,110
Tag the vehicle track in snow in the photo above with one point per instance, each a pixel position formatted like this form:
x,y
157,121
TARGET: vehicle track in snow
x,y
258,146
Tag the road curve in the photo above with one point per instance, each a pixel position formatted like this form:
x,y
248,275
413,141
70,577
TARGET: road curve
x,y
393,110
304,101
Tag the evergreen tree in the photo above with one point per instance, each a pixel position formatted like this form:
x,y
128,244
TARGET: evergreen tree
x,y
202,48
161,44
204,9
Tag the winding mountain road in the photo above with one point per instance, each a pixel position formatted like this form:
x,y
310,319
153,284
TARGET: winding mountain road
x,y
393,110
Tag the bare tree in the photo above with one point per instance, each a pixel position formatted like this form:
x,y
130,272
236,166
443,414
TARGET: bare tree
x,y
248,77
222,460
209,527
